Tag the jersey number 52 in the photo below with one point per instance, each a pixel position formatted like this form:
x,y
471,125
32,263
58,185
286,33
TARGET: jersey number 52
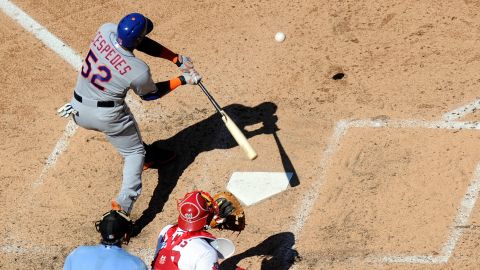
x,y
101,74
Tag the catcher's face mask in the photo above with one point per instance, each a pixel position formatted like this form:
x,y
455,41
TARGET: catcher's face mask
x,y
195,210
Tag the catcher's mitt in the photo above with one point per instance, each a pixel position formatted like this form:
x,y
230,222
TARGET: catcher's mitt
x,y
231,215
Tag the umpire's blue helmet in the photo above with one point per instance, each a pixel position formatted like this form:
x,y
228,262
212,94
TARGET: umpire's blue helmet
x,y
132,29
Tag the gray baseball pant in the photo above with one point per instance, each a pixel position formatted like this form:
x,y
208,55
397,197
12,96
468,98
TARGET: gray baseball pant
x,y
121,129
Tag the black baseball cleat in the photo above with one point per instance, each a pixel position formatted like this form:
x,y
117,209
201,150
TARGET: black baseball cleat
x,y
156,157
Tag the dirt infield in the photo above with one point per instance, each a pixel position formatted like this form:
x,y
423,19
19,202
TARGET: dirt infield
x,y
385,159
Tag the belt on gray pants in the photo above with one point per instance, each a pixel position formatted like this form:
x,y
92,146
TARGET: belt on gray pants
x,y
95,103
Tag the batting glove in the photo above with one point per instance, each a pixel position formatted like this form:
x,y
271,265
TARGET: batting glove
x,y
184,63
191,77
66,110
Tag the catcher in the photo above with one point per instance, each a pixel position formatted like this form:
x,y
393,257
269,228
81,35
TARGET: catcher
x,y
188,245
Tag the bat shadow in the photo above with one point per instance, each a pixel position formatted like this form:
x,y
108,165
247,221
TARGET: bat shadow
x,y
277,252
204,136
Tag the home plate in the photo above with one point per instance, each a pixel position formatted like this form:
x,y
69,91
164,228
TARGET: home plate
x,y
252,187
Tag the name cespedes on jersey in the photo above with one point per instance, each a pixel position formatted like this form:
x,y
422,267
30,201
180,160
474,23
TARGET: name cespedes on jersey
x,y
110,54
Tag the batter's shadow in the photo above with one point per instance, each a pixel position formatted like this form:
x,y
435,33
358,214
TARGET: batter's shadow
x,y
277,252
204,136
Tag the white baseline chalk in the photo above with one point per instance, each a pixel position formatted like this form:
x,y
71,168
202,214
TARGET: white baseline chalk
x,y
412,123
307,204
463,215
40,32
64,51
59,148
462,111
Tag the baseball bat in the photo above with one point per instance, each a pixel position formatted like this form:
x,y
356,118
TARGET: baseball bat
x,y
231,126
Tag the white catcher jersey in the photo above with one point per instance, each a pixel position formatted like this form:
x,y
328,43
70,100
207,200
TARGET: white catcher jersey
x,y
108,70
191,254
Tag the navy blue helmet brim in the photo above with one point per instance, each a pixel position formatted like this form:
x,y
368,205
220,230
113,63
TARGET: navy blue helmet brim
x,y
149,26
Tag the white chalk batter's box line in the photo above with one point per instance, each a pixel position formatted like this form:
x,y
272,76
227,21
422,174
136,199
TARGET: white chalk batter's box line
x,y
466,205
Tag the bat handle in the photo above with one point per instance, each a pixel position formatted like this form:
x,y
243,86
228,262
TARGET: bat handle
x,y
231,126
212,100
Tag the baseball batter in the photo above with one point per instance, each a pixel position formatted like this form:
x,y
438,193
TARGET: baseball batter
x,y
109,70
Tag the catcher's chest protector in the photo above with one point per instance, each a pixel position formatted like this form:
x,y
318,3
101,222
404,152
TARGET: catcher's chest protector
x,y
167,258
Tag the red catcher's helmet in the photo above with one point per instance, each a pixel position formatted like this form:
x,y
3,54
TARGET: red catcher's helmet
x,y
195,211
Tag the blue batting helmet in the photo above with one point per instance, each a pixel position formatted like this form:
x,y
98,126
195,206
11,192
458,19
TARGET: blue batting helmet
x,y
132,29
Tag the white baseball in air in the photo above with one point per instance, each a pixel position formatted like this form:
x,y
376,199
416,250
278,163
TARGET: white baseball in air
x,y
279,36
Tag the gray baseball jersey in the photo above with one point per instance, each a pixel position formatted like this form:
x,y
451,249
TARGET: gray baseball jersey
x,y
108,72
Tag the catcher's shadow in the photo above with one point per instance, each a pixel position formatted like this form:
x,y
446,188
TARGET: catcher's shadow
x,y
277,251
204,136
